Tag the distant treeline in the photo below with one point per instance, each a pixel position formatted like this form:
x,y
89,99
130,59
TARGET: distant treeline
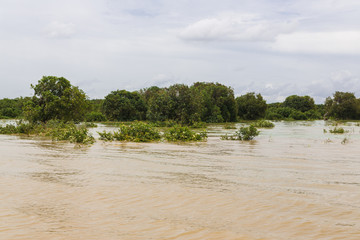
x,y
200,102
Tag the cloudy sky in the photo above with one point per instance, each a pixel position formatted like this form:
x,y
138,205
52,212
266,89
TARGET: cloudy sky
x,y
273,47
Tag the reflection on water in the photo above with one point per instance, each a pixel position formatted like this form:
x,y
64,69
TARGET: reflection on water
x,y
292,182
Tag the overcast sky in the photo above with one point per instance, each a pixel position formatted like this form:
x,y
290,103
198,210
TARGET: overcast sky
x,y
273,47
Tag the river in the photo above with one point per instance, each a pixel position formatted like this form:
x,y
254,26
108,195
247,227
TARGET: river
x,y
292,182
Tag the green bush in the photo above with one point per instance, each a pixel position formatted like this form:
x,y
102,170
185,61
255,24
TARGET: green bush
x,y
297,115
72,134
338,130
229,126
198,125
179,133
135,132
106,136
167,123
89,125
263,124
244,133
58,130
95,117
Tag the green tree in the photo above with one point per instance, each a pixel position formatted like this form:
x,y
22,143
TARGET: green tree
x,y
343,105
56,98
251,106
122,105
300,103
216,100
158,104
183,107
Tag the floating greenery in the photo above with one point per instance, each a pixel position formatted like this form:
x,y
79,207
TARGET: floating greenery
x,y
135,132
263,124
183,133
337,130
57,130
244,133
229,126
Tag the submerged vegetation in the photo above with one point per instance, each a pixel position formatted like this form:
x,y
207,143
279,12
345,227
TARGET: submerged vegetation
x,y
183,133
57,108
243,134
338,130
135,132
57,130
55,98
144,132
263,124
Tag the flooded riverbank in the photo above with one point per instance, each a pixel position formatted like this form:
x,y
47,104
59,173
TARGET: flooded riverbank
x,y
292,182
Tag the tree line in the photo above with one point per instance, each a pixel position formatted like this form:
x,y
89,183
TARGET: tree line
x,y
56,98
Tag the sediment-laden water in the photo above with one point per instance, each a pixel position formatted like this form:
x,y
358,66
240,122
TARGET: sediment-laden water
x,y
292,182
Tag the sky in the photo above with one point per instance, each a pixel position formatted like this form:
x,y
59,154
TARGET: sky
x,y
274,47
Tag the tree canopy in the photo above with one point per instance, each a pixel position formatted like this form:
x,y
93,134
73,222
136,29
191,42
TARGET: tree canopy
x,y
122,105
56,98
343,105
300,103
251,106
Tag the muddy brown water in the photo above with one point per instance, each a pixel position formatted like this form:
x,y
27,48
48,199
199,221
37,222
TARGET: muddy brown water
x,y
292,182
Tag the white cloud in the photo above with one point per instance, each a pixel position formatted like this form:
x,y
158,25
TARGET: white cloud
x,y
235,27
60,30
347,42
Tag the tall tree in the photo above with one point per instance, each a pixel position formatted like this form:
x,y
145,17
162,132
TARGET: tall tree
x,y
300,103
343,105
122,105
251,106
56,98
217,102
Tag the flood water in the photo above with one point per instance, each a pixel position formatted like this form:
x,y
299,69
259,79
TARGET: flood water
x,y
292,182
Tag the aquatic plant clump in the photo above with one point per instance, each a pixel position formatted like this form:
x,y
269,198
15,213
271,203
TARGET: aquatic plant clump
x,y
263,124
243,134
71,133
229,126
57,130
106,136
135,132
338,130
183,133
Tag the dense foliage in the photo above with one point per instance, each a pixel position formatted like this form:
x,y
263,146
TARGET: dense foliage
x,y
12,108
244,134
263,124
122,105
343,105
56,98
300,103
216,102
251,106
57,130
183,133
295,108
135,132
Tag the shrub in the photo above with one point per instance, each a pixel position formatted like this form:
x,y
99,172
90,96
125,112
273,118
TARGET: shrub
x,y
179,133
297,115
89,125
198,125
58,130
106,136
263,124
95,117
167,123
229,126
244,133
72,133
135,132
338,130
